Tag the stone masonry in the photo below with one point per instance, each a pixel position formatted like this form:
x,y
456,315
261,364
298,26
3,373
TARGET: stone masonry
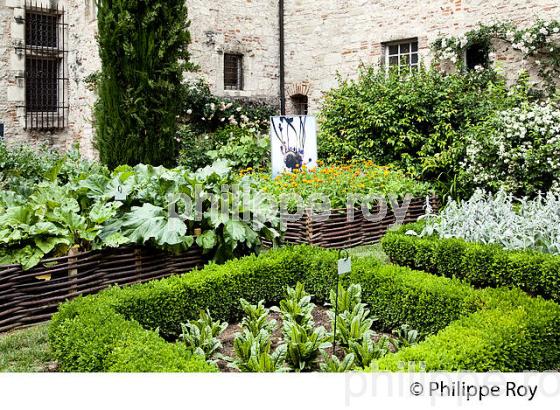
x,y
323,38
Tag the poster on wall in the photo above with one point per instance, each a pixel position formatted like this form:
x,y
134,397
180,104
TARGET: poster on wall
x,y
294,143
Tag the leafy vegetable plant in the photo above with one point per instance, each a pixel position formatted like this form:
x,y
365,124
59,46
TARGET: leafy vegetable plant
x,y
202,336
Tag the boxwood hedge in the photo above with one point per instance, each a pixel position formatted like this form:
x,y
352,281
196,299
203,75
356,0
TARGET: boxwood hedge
x,y
125,330
481,265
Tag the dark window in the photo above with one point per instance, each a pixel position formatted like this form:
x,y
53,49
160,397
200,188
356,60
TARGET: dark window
x,y
233,71
402,54
41,92
41,29
45,74
477,55
301,104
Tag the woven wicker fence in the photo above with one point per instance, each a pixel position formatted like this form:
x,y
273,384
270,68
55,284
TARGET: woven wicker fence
x,y
338,232
31,297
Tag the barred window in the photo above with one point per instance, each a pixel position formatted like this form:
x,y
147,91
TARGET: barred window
x,y
233,71
300,104
402,54
45,74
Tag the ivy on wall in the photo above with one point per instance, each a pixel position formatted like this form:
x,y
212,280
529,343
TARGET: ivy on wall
x,y
143,50
539,41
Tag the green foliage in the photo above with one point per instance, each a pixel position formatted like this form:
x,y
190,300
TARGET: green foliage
x,y
516,150
413,120
480,330
207,113
134,206
297,306
367,350
538,42
253,354
398,295
405,337
255,319
143,51
519,335
243,148
304,344
481,264
220,128
332,364
201,337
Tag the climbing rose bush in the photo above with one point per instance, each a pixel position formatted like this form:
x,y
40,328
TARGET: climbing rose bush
x,y
518,151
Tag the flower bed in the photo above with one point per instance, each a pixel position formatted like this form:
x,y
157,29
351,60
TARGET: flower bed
x,y
359,184
471,330
30,297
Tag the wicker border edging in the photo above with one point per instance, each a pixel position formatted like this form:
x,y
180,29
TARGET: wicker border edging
x,y
31,297
337,232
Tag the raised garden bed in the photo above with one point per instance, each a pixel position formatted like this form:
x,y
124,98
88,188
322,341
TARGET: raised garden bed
x,y
30,297
125,330
338,232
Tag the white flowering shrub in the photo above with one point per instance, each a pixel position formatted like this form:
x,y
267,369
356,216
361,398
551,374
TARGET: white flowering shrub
x,y
518,151
503,220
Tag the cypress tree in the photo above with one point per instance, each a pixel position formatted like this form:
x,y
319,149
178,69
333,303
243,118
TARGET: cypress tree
x,y
143,45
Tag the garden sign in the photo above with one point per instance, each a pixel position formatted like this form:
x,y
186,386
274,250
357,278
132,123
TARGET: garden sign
x,y
294,143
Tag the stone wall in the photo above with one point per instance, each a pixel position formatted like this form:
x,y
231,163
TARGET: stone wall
x,y
323,38
81,61
247,27
326,37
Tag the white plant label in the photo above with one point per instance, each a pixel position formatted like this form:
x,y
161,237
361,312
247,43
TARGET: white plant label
x,y
344,266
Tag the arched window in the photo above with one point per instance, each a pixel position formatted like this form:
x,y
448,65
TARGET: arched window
x,y
300,104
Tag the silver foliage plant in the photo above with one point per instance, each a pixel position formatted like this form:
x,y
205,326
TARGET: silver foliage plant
x,y
501,219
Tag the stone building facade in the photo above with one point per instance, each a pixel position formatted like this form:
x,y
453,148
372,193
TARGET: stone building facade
x,y
236,44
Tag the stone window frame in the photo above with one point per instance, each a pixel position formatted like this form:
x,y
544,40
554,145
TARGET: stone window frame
x,y
39,112
238,60
90,10
413,53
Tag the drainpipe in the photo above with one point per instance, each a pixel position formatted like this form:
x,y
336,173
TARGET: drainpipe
x,y
282,60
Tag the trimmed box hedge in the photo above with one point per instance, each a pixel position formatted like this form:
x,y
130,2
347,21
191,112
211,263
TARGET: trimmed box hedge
x,y
481,265
116,330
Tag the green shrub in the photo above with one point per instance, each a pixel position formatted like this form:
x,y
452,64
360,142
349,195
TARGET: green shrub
x,y
400,296
479,264
144,56
474,330
414,120
513,337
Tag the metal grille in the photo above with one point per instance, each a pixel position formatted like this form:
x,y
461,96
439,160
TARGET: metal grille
x,y
45,51
301,104
233,71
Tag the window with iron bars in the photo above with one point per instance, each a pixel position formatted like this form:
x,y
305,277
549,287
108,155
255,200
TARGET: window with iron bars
x,y
233,72
300,104
45,71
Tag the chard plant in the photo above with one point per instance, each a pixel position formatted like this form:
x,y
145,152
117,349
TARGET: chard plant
x,y
304,345
297,307
332,364
367,350
201,337
354,321
256,319
405,336
254,354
